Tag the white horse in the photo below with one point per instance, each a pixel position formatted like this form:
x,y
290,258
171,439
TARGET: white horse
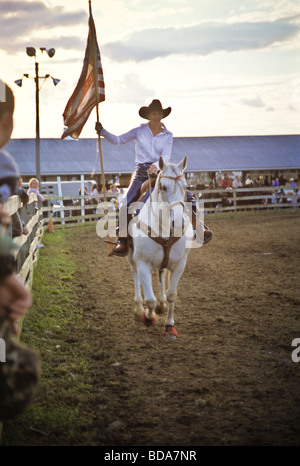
x,y
161,238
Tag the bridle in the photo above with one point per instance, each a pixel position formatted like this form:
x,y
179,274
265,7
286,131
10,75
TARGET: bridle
x,y
175,178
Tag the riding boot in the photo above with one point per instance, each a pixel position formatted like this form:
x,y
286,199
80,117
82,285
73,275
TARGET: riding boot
x,y
121,248
132,195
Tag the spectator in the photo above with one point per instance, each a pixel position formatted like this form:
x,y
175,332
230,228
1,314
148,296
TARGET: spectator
x,y
200,186
237,182
95,194
226,182
292,183
113,189
249,182
289,193
20,372
94,190
19,226
34,188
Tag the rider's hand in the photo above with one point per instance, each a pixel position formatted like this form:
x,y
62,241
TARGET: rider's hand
x,y
98,127
152,169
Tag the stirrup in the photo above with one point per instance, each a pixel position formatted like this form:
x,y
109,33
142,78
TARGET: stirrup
x,y
121,249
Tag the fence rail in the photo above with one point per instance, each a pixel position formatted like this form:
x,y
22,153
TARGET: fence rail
x,y
214,201
27,246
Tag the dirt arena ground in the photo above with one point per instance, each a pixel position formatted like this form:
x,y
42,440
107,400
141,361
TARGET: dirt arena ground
x,y
229,378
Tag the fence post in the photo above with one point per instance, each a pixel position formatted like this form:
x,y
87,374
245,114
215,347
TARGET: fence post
x,y
234,199
82,199
59,190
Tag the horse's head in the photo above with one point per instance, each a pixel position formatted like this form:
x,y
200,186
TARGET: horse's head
x,y
171,183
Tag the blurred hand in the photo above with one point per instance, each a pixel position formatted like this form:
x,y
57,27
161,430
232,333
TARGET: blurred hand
x,y
98,127
15,300
5,219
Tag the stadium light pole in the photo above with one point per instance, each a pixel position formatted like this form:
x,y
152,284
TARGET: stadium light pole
x,y
31,52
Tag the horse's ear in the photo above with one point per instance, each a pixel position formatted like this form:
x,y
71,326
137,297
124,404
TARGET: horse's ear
x,y
161,163
183,163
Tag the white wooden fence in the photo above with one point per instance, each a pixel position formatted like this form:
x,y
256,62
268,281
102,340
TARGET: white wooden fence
x,y
215,200
27,246
74,209
254,198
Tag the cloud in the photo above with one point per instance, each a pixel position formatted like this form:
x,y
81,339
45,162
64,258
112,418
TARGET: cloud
x,y
200,39
131,90
30,18
257,102
254,102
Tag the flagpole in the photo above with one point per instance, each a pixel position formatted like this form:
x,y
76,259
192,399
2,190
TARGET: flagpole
x,y
95,70
97,109
101,158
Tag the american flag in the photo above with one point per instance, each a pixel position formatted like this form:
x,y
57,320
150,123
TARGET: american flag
x,y
90,89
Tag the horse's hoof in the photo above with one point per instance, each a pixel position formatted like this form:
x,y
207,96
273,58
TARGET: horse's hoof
x,y
138,316
170,333
161,307
147,321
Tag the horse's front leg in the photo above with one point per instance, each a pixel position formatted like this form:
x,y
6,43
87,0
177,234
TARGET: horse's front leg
x,y
138,300
144,273
175,275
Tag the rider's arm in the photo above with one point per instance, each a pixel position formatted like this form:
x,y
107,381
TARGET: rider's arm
x,y
122,139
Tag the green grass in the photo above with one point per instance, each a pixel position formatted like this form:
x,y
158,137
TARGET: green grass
x,y
57,410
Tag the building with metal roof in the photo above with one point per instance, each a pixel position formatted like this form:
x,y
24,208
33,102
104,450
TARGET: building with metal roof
x,y
68,158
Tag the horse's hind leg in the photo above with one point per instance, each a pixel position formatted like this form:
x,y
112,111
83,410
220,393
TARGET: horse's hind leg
x,y
175,275
144,272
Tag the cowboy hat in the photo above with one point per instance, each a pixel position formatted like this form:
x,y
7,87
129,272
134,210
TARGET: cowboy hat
x,y
155,106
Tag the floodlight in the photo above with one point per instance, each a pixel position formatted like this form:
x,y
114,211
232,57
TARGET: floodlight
x,y
30,51
51,52
55,81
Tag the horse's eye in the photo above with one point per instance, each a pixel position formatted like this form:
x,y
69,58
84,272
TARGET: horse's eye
x,y
164,188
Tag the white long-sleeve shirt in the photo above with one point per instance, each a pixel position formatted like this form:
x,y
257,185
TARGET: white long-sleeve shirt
x,y
148,148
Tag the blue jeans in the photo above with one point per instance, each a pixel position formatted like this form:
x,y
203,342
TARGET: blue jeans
x,y
139,177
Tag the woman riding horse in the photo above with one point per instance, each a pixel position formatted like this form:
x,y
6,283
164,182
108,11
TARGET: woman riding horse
x,y
153,140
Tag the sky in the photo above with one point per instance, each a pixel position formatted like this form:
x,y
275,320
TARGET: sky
x,y
226,67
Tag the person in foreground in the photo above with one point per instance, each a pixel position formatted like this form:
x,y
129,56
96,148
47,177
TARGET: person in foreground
x,y
19,365
152,141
